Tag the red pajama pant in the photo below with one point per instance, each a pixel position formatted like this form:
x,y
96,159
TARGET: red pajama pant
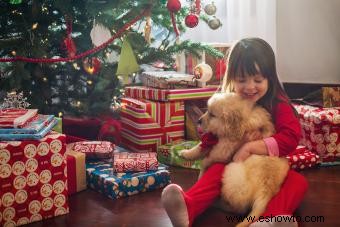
x,y
205,191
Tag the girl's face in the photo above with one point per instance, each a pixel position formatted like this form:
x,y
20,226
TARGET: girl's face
x,y
252,87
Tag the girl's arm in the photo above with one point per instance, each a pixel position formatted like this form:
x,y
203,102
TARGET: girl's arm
x,y
286,139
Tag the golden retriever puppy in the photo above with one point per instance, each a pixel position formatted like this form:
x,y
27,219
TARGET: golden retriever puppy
x,y
249,185
231,119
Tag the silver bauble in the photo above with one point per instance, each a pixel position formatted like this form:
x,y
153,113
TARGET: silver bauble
x,y
210,9
214,23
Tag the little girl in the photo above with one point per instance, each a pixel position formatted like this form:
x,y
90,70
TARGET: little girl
x,y
251,73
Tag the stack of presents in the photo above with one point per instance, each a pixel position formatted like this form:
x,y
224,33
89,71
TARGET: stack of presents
x,y
40,168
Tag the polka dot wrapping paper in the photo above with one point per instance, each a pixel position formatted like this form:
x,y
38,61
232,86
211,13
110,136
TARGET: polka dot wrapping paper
x,y
101,177
302,158
321,131
33,180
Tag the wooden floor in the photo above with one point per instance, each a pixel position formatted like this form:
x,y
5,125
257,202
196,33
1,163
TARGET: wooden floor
x,y
89,208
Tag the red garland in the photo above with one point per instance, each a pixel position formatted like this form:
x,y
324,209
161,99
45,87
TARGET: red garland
x,y
86,53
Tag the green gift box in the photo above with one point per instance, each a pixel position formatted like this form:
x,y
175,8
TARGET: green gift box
x,y
59,125
169,154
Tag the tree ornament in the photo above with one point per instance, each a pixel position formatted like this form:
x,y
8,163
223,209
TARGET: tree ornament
x,y
14,100
127,62
173,6
203,72
99,34
191,20
147,30
210,9
91,65
68,42
214,23
220,68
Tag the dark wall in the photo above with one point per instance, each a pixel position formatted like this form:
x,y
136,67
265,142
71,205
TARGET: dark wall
x,y
299,90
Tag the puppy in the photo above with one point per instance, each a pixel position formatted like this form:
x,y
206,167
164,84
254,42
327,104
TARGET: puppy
x,y
232,120
249,185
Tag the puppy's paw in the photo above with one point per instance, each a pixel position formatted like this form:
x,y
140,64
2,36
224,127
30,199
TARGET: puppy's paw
x,y
187,154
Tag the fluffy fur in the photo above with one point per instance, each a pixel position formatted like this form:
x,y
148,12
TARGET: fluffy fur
x,y
247,185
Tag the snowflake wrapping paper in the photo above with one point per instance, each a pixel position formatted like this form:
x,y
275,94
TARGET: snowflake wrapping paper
x,y
135,161
33,180
321,130
101,178
93,149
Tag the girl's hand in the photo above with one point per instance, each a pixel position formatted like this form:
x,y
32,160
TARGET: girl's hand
x,y
242,154
254,147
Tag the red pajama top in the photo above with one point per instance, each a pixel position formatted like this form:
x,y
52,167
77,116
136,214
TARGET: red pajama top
x,y
288,131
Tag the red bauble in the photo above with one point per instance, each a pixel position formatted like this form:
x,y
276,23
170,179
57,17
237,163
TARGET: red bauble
x,y
191,20
92,65
220,68
173,5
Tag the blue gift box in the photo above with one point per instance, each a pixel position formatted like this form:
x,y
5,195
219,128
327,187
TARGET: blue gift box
x,y
101,177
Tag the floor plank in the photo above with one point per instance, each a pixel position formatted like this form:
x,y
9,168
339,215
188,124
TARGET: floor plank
x,y
89,208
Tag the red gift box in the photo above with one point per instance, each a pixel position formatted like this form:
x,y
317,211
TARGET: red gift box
x,y
147,124
33,180
92,128
93,149
16,118
142,92
135,162
321,130
302,158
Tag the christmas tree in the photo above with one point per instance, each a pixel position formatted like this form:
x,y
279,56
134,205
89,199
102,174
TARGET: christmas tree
x,y
64,55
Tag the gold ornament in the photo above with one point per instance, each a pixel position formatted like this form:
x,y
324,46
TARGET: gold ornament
x,y
214,23
147,30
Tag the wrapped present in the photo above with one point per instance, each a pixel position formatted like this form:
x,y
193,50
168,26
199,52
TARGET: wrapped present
x,y
168,154
93,149
35,136
59,126
16,118
320,130
101,178
331,96
81,127
33,180
302,158
142,92
33,126
135,161
167,79
104,127
147,124
76,171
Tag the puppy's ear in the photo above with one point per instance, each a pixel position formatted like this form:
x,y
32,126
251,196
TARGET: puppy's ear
x,y
234,126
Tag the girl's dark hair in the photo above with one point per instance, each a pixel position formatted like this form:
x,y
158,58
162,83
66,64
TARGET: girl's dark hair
x,y
251,56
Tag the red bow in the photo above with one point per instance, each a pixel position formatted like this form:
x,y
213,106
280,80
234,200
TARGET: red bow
x,y
208,140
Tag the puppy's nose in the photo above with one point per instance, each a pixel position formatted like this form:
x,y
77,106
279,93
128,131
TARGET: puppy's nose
x,y
199,121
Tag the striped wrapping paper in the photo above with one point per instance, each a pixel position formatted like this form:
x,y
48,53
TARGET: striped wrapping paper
x,y
147,124
142,92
